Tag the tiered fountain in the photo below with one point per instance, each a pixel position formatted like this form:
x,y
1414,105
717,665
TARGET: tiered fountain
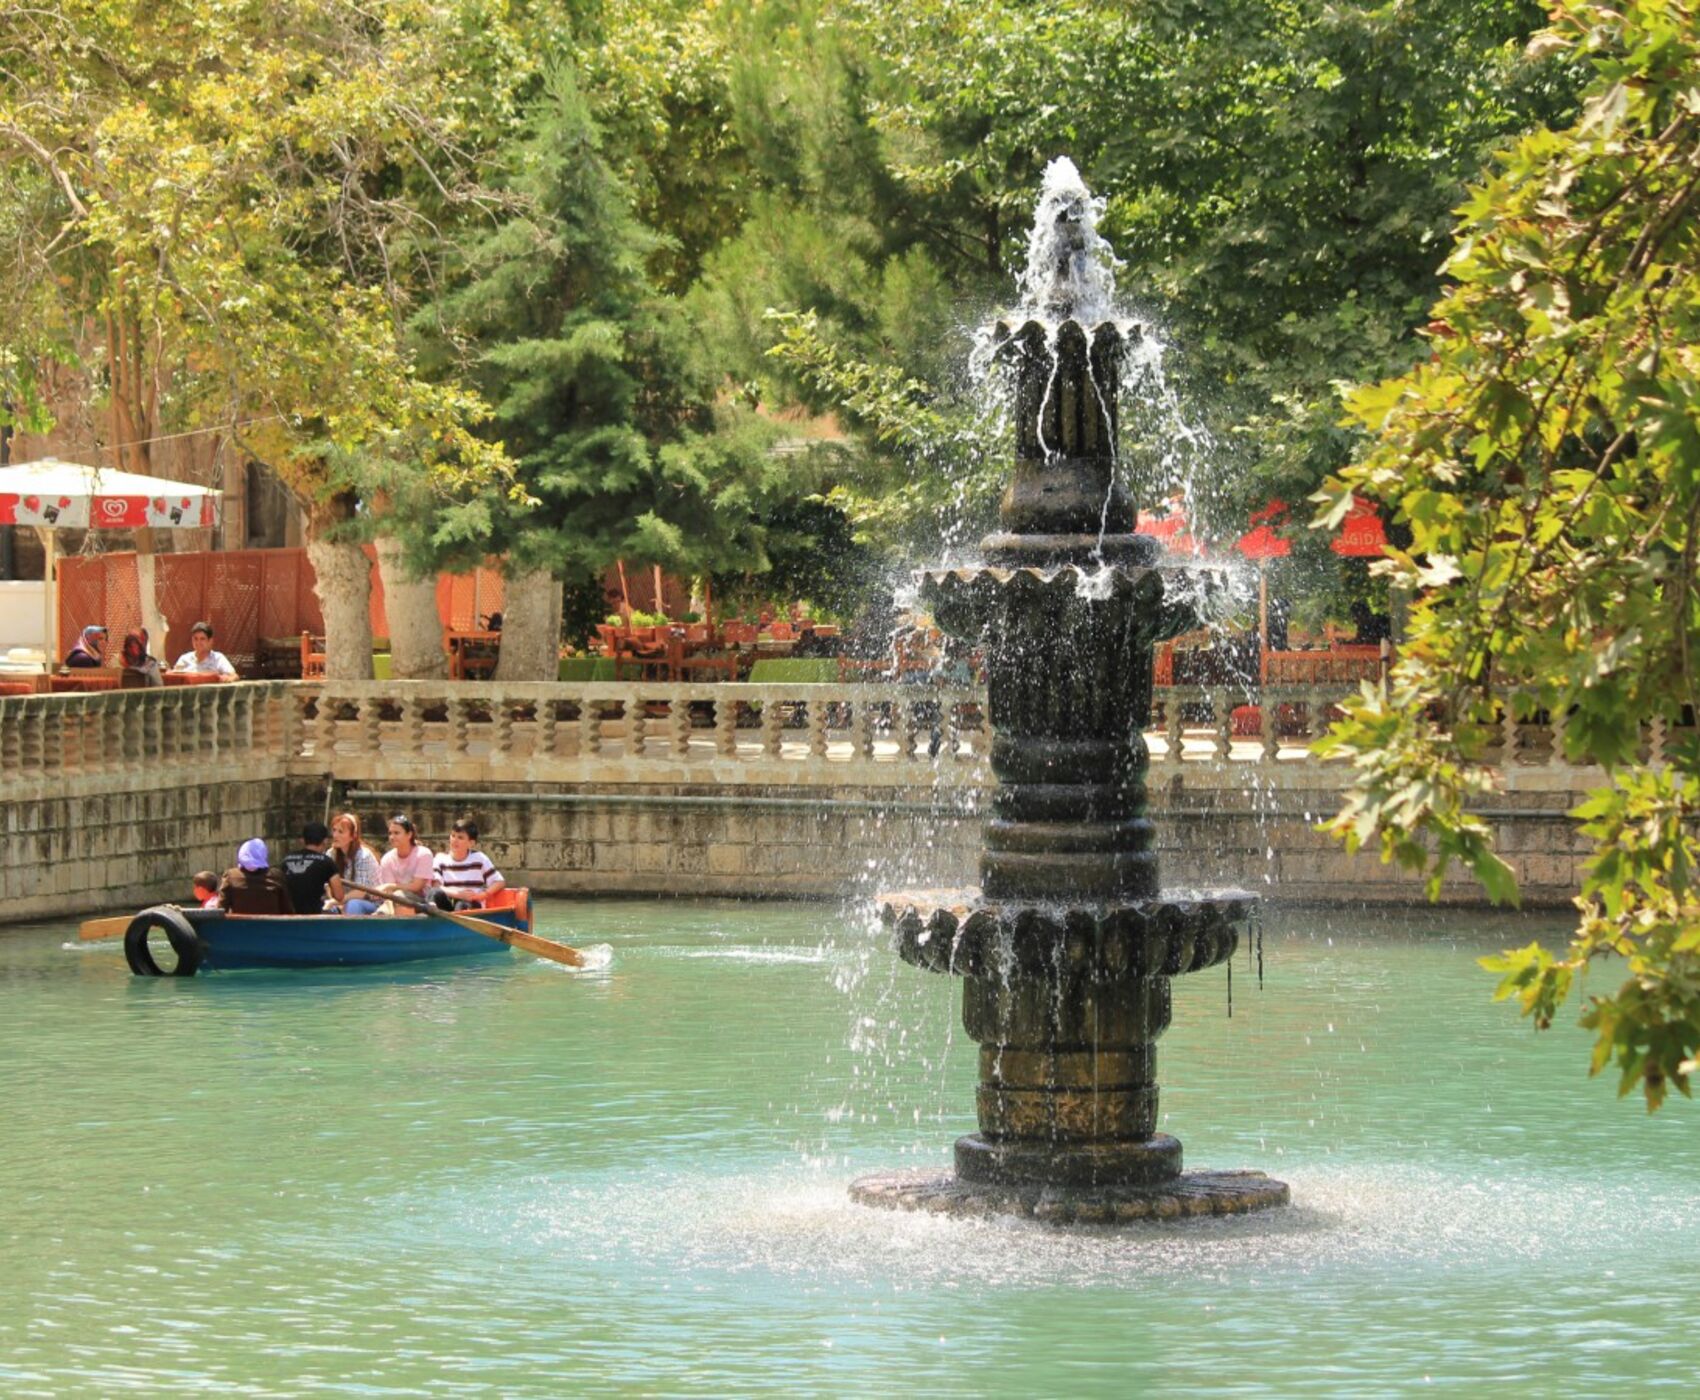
x,y
1068,946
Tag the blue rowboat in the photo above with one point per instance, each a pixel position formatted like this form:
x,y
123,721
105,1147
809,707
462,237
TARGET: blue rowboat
x,y
221,942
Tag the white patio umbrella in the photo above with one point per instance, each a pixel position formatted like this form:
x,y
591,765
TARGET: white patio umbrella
x,y
52,495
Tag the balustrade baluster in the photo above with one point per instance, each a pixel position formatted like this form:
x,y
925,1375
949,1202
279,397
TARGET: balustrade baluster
x,y
817,728
324,729
34,739
590,728
861,731
637,724
1222,708
548,727
1174,729
1656,735
1559,718
679,717
459,721
11,729
371,717
1268,728
725,726
907,726
772,727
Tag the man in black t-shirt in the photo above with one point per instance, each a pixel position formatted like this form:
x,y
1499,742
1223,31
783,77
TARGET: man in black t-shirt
x,y
308,871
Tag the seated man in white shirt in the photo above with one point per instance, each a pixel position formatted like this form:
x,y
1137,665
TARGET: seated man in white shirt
x,y
464,874
203,658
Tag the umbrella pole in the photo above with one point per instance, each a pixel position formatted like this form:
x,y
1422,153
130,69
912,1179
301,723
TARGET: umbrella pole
x,y
625,593
50,599
1262,624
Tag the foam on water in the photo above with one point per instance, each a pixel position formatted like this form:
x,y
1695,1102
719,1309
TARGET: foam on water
x,y
797,1223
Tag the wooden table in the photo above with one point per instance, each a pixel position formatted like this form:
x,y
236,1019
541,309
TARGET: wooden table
x,y
472,655
90,680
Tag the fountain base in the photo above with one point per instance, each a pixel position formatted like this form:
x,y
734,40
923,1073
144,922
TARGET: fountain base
x,y
1189,1195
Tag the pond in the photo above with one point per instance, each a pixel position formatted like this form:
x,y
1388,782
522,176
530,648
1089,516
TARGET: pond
x,y
510,1179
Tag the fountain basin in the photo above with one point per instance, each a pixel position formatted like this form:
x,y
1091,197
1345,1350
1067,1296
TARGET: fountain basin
x,y
1067,1000
960,932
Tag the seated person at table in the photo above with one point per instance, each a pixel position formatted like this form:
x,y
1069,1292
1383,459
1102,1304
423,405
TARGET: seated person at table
x,y
406,867
355,863
464,873
309,871
251,886
90,649
140,670
206,889
203,659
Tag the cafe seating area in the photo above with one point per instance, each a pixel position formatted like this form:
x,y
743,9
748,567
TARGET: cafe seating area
x,y
704,651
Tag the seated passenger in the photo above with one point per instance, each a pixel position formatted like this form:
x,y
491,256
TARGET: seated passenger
x,y
90,649
464,873
406,867
203,659
251,886
206,889
355,864
140,670
308,872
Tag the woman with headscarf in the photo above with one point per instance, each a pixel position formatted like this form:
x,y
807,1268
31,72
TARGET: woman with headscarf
x,y
89,648
140,669
252,885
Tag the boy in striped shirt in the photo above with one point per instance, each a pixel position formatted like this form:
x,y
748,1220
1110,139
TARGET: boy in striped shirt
x,y
464,873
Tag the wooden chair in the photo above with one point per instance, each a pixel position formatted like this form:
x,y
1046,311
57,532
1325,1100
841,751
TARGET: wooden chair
x,y
312,660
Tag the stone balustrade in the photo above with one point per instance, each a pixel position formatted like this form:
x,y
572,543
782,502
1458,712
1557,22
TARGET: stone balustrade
x,y
883,735
1228,730
109,798
612,732
51,745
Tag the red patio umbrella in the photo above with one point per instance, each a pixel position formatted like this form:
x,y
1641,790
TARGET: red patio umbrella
x,y
1171,527
1262,543
1362,535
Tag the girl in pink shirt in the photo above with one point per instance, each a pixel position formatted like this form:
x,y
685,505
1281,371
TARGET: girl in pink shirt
x,y
406,868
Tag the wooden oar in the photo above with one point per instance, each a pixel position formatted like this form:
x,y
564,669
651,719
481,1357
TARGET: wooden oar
x,y
513,937
105,928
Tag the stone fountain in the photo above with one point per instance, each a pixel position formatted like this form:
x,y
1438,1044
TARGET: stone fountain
x,y
1068,947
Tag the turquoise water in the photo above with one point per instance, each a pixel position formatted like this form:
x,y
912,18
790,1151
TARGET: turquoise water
x,y
508,1179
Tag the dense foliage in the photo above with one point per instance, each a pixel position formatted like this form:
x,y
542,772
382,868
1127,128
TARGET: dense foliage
x,y
221,209
1546,457
831,192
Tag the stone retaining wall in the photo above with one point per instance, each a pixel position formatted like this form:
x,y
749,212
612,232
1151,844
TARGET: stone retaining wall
x,y
109,801
121,850
766,842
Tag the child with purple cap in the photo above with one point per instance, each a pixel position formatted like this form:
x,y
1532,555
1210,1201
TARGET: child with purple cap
x,y
251,886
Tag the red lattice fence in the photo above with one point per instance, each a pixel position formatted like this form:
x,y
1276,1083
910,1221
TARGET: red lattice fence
x,y
247,595
98,589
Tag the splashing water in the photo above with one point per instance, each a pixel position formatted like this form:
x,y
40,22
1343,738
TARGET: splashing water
x,y
1071,270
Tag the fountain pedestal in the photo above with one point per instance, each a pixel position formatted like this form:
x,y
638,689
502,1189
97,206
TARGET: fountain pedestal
x,y
1068,947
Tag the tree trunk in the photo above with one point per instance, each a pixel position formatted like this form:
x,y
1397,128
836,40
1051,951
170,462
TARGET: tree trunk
x,y
531,628
410,606
343,581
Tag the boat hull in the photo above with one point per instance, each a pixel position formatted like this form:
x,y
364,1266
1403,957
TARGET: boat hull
x,y
234,942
